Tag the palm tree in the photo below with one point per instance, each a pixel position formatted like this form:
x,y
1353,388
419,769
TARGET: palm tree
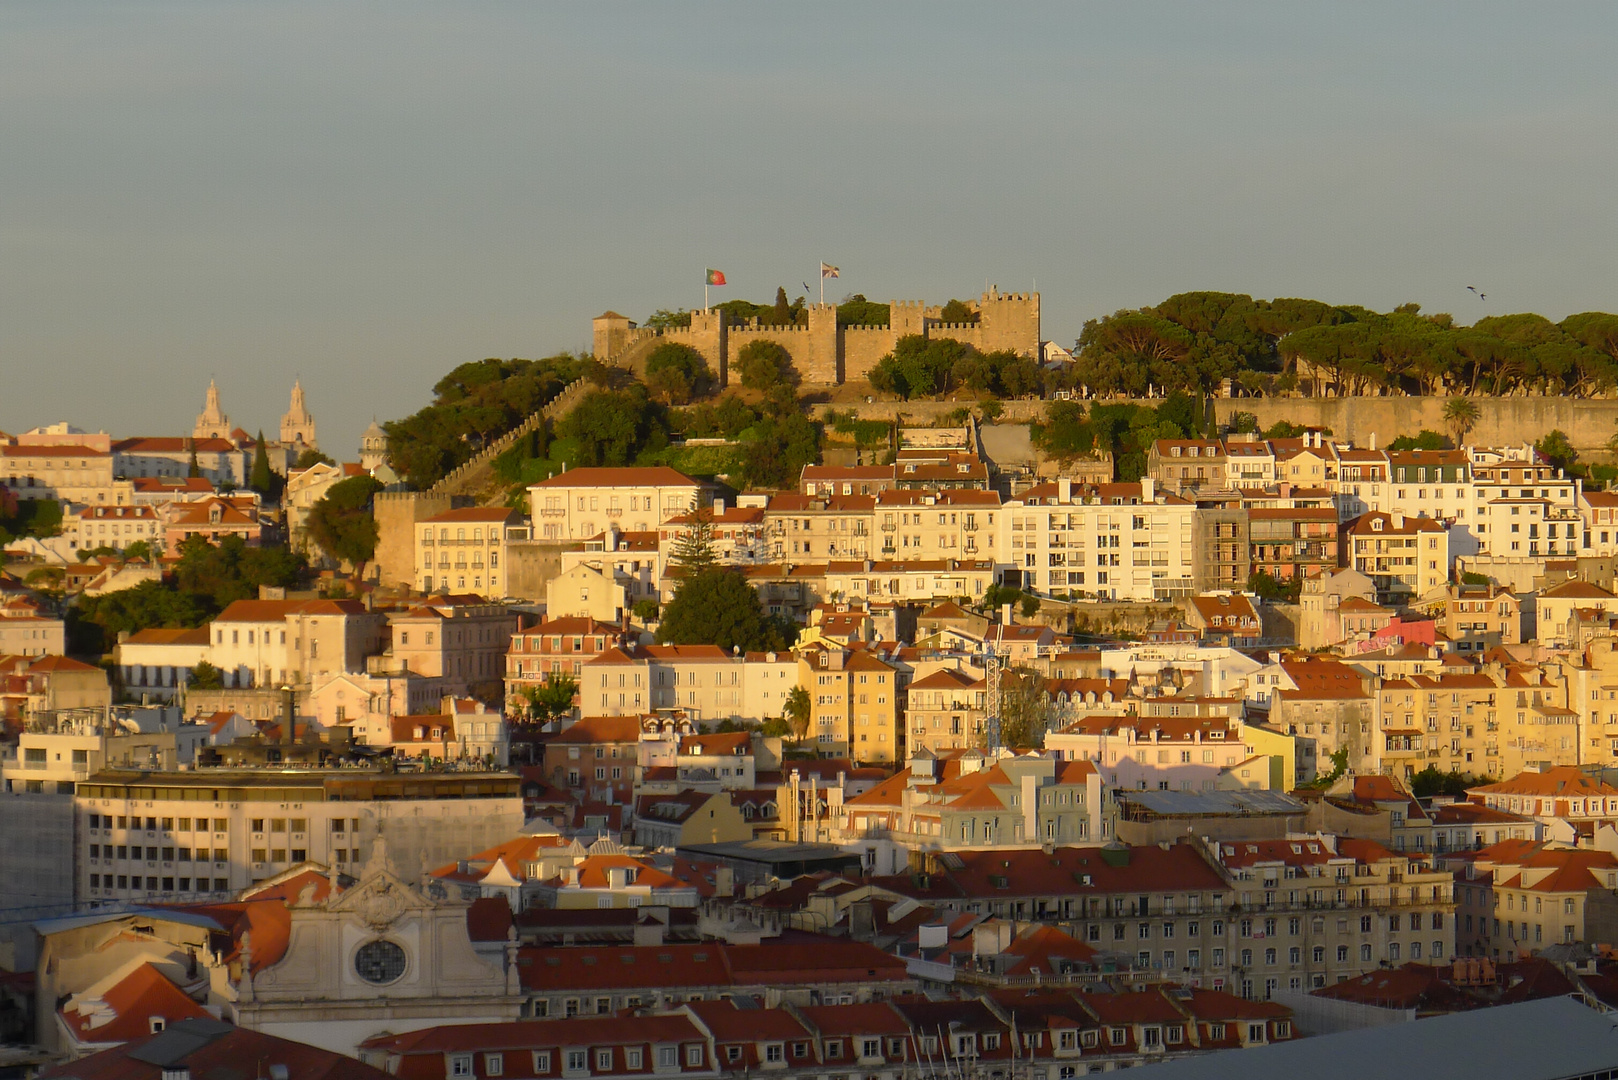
x,y
797,711
1460,414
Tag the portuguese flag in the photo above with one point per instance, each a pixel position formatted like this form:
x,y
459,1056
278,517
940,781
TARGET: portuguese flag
x,y
715,277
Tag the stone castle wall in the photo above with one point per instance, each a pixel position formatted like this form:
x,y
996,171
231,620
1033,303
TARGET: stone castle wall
x,y
1508,421
396,514
822,352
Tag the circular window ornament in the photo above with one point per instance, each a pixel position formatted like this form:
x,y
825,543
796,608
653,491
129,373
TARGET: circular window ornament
x,y
379,962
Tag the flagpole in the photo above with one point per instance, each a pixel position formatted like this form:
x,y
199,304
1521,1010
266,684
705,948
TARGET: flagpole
x,y
822,283
705,294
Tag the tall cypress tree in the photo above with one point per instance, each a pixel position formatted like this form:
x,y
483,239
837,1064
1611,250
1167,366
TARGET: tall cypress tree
x,y
262,479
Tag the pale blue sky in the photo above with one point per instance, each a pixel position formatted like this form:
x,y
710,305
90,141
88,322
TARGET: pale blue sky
x,y
369,194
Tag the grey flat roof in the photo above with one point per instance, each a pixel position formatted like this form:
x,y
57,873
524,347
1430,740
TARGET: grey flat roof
x,y
1553,1039
771,850
1191,803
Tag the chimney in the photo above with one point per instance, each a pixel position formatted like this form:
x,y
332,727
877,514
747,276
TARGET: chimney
x,y
719,508
1148,489
1064,489
1398,521
1005,614
1373,440
289,715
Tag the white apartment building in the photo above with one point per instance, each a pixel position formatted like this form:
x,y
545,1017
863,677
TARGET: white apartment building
x,y
464,551
90,527
579,504
159,662
157,835
1109,541
703,681
271,643
75,474
25,632
217,459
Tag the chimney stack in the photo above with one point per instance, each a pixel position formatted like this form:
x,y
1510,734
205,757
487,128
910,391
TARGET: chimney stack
x,y
1064,489
289,715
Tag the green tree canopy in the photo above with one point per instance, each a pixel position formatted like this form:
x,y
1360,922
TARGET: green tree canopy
x,y
613,427
764,364
719,607
262,478
342,524
855,310
956,312
551,699
1426,439
219,574
312,457
677,373
474,404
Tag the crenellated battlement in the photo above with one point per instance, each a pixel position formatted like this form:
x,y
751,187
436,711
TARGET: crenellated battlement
x,y
823,352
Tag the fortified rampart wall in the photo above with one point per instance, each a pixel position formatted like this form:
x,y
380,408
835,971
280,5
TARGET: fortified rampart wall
x,y
1505,421
824,353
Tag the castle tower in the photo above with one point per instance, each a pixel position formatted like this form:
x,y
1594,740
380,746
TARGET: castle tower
x,y
373,447
212,423
297,426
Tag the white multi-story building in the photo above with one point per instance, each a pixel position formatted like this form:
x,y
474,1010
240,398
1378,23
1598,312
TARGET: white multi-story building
x,y
89,527
464,550
582,503
270,643
25,632
157,835
1110,541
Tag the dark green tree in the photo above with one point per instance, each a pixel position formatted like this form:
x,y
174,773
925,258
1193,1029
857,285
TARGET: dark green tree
x,y
1557,449
645,609
263,478
613,427
342,523
218,574
858,311
693,548
797,712
956,312
551,699
1426,439
677,373
764,364
781,315
720,607
309,458
779,450
206,677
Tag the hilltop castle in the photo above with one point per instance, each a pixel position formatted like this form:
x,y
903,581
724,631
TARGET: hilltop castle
x,y
823,352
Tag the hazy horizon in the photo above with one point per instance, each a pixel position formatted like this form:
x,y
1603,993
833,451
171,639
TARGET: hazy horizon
x,y
365,196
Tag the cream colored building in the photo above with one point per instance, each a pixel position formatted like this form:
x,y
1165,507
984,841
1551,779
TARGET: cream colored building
x,y
582,503
270,643
587,590
1406,558
89,527
946,709
464,551
24,632
815,529
304,488
1107,541
856,706
74,474
918,581
459,639
150,835
956,523
631,562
